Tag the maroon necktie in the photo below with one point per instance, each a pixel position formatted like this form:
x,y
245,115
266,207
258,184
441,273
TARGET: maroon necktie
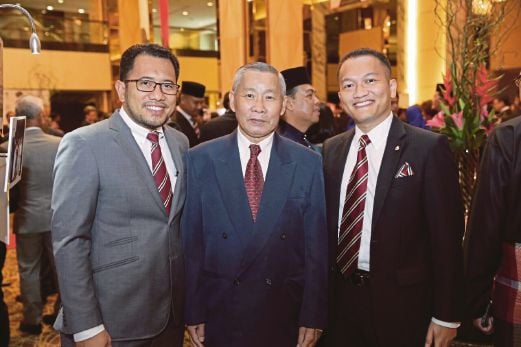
x,y
353,213
253,180
159,172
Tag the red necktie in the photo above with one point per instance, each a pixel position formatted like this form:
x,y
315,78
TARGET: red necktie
x,y
353,213
159,172
253,180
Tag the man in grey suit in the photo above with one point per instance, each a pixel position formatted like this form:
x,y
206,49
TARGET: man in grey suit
x,y
119,191
32,218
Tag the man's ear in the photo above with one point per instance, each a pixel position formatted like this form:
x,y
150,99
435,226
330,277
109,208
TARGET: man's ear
x,y
394,86
232,101
120,89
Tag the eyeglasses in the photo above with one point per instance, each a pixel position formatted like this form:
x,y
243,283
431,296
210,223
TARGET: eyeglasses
x,y
517,80
144,85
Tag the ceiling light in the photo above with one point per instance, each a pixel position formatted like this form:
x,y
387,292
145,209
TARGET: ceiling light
x,y
185,13
60,1
81,10
154,10
209,4
49,8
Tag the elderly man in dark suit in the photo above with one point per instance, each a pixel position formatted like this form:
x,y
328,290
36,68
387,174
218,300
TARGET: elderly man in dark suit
x,y
32,218
395,220
494,237
189,111
254,227
119,189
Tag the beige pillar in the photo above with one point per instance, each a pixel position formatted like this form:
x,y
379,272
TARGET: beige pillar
x,y
129,28
318,50
232,32
285,47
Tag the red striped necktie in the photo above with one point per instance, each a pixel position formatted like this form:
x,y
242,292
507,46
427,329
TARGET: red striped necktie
x,y
161,178
353,213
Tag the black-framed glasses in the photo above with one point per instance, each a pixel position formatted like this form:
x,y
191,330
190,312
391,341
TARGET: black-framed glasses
x,y
517,80
145,85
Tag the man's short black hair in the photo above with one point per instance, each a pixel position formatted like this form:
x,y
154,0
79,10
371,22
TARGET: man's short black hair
x,y
362,52
504,99
154,50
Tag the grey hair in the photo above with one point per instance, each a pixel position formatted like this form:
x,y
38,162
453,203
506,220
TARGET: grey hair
x,y
260,67
29,106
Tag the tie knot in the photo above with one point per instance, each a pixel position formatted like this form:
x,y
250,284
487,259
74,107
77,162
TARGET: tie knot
x,y
364,141
153,137
254,150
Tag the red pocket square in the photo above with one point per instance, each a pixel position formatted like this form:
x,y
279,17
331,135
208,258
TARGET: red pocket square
x,y
405,171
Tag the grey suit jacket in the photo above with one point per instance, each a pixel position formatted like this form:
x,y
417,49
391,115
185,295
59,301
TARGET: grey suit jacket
x,y
33,213
118,254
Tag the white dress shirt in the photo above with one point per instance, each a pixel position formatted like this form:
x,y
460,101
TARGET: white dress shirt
x,y
140,135
375,152
263,157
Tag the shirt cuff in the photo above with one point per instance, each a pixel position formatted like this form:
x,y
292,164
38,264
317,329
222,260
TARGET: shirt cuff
x,y
453,325
87,334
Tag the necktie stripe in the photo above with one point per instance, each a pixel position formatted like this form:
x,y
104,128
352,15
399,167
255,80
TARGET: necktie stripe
x,y
352,219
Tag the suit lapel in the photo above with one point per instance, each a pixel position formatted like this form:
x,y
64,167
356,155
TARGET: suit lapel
x,y
179,191
274,195
393,151
124,138
231,184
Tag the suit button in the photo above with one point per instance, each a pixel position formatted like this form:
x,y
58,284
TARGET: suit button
x,y
236,282
225,236
268,281
283,236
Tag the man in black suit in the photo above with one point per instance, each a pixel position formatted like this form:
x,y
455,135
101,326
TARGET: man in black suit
x,y
494,236
220,126
302,106
395,220
188,113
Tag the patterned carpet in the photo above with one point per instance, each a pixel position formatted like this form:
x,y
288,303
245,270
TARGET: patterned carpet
x,y
49,336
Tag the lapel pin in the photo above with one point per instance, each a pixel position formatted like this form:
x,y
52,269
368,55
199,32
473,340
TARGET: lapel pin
x,y
397,148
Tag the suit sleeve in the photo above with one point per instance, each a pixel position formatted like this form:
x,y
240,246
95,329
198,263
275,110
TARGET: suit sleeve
x,y
74,200
192,235
486,223
443,207
313,312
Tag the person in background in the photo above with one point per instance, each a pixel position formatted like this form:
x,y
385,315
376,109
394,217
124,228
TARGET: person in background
x,y
189,113
302,106
220,126
90,115
493,242
415,116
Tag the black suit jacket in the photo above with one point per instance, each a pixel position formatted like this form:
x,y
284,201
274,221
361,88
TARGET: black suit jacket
x,y
495,217
218,127
183,125
417,228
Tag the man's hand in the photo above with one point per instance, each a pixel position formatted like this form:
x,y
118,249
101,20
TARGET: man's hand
x,y
196,333
100,340
489,329
308,337
439,336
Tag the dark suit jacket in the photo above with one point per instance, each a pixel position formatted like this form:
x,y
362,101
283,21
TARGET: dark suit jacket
x,y
417,227
183,125
218,127
254,284
495,216
118,253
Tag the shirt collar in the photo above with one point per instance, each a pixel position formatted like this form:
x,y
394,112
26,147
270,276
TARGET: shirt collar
x,y
137,130
244,143
377,135
186,115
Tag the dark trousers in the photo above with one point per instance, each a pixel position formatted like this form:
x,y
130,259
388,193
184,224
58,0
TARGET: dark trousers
x,y
352,319
4,316
171,336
